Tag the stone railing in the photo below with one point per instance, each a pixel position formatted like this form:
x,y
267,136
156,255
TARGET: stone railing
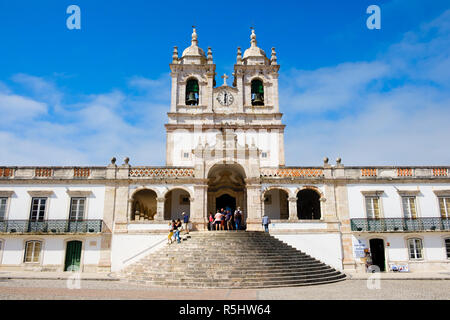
x,y
161,172
57,173
291,172
400,224
51,226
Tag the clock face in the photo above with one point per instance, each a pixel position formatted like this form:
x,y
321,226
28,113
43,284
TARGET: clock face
x,y
225,98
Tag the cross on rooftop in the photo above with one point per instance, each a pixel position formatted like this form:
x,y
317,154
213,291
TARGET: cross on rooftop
x,y
224,77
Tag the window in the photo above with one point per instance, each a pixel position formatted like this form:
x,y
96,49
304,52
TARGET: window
x,y
409,207
264,154
3,203
38,209
77,207
415,249
373,207
32,251
257,92
192,92
447,247
185,155
444,206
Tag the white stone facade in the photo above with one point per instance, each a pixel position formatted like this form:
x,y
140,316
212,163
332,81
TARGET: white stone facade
x,y
219,148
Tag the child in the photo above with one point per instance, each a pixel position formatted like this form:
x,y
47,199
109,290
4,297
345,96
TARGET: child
x,y
169,237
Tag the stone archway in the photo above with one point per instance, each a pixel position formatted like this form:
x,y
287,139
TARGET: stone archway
x,y
276,204
227,181
176,201
143,205
308,204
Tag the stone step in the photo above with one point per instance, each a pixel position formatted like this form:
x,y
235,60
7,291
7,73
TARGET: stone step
x,y
229,259
231,269
236,284
195,274
244,266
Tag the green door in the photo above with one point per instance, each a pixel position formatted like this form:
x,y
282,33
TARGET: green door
x,y
73,256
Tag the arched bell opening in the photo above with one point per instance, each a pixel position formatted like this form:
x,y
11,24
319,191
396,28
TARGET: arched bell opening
x,y
308,205
144,205
276,205
192,92
257,87
176,202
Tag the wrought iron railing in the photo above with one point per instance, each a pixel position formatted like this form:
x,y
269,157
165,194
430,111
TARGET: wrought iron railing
x,y
51,226
400,224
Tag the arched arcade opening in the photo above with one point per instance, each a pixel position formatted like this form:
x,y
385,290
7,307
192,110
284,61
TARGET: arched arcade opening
x,y
176,201
308,205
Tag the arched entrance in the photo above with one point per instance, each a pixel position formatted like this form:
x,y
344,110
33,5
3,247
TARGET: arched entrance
x,y
144,205
176,202
226,201
308,205
226,188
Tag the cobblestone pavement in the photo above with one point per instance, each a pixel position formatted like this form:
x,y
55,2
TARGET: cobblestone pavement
x,y
346,290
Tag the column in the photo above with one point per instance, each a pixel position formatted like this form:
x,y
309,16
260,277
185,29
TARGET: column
x,y
293,208
348,260
130,210
254,207
199,207
159,209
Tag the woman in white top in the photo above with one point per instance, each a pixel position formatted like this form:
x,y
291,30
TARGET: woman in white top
x,y
218,219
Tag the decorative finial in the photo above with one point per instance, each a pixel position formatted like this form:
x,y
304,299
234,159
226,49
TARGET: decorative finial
x,y
225,77
175,55
273,58
325,160
194,37
113,160
209,55
239,56
253,37
126,160
338,161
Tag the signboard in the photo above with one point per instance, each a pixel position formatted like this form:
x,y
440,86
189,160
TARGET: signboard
x,y
399,267
358,248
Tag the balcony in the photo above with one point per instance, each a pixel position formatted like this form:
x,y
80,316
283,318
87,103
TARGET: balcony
x,y
51,226
400,224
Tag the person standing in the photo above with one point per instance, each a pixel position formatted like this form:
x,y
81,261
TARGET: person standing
x,y
265,223
177,230
186,221
211,221
169,237
237,218
217,219
229,220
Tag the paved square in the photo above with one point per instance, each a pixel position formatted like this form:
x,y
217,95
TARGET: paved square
x,y
346,290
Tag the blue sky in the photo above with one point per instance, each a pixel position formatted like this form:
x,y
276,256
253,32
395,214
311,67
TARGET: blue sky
x,y
79,97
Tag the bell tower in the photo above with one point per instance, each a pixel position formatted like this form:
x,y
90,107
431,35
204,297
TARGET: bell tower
x,y
247,109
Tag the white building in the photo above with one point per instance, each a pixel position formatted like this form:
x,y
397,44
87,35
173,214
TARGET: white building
x,y
225,147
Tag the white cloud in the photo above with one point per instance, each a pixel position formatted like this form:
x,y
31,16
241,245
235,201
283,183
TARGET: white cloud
x,y
16,108
391,111
88,132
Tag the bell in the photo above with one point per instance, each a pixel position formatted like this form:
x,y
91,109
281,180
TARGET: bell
x,y
191,99
258,100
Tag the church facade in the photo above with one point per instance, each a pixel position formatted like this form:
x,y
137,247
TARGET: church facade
x,y
224,147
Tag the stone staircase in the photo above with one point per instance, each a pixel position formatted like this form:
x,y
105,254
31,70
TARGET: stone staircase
x,y
229,259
